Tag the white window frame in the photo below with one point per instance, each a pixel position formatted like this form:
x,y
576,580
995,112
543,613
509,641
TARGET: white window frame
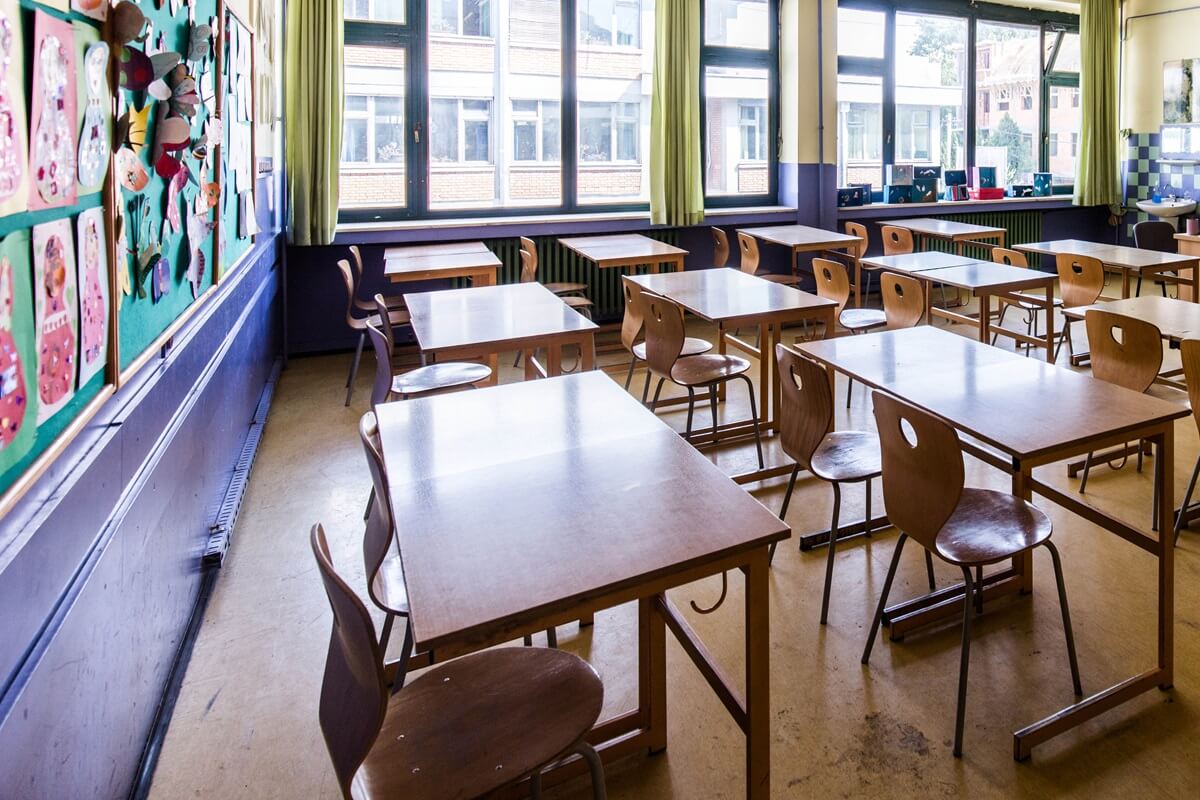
x,y
458,23
538,117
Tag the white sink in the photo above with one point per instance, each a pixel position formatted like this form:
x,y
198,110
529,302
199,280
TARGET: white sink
x,y
1167,208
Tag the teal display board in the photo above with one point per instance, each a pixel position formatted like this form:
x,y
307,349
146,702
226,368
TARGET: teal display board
x,y
237,150
166,291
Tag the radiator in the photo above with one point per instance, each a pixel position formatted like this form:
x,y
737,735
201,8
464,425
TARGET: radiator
x,y
1022,227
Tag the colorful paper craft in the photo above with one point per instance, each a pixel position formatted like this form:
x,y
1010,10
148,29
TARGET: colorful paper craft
x,y
127,22
131,172
93,298
198,229
93,139
18,405
56,315
121,232
52,152
14,155
96,9
174,188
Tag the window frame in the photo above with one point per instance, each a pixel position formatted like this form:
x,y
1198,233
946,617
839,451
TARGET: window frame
x,y
413,36
1049,23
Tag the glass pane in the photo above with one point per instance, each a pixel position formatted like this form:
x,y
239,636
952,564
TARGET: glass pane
x,y
860,131
443,16
375,10
1068,52
736,131
860,33
501,145
614,63
373,169
1008,59
931,98
737,23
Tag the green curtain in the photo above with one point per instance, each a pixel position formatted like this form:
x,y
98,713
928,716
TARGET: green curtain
x,y
1097,180
676,190
313,118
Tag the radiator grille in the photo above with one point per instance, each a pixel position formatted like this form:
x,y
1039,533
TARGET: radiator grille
x,y
558,264
1022,227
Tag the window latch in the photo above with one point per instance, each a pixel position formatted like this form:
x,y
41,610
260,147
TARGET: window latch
x,y
417,133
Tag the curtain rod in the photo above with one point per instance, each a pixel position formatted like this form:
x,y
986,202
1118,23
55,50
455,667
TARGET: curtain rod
x,y
1125,27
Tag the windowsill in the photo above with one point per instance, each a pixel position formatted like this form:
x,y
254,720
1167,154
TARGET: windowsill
x,y
399,231
950,206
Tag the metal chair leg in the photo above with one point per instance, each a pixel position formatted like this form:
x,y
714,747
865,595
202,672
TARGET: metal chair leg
x,y
849,389
754,418
386,632
1000,321
963,665
868,519
929,571
657,390
646,388
712,404
362,337
833,534
691,411
629,375
1187,500
1066,615
370,503
979,589
552,638
1087,466
535,785
883,596
595,768
787,498
1138,291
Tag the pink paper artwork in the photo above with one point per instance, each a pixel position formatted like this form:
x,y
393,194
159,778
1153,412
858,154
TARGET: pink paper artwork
x,y
54,290
12,137
52,161
13,399
93,300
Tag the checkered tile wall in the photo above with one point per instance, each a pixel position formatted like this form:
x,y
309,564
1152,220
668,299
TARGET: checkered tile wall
x,y
1144,172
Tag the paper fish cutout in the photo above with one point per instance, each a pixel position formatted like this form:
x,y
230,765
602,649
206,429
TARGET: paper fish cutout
x,y
198,230
137,127
174,188
167,166
127,22
14,399
137,70
161,286
174,133
131,172
164,62
184,97
12,134
52,157
120,232
93,139
199,42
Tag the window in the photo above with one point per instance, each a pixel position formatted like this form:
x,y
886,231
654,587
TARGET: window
x,y
931,98
860,32
1062,119
458,105
860,131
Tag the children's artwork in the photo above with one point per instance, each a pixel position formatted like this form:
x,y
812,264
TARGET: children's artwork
x,y
18,426
174,188
1181,91
161,285
93,298
264,21
93,138
198,229
131,172
96,9
14,155
56,315
52,151
121,249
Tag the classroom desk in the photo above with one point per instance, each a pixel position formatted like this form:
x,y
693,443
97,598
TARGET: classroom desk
x,y
1175,319
532,505
488,320
471,260
1013,410
1129,261
730,298
626,250
804,239
960,234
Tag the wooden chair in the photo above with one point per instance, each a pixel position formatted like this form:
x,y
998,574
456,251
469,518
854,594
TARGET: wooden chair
x,y
562,289
720,247
434,378
1189,354
664,357
860,230
463,729
897,241
968,528
834,284
358,323
1080,283
367,306
903,300
836,457
1015,258
748,248
631,327
1154,234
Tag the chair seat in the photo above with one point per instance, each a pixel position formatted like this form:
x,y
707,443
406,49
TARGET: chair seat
x,y
691,347
393,302
773,277
387,587
399,316
1169,393
566,288
846,457
989,526
708,368
479,722
436,377
576,302
861,319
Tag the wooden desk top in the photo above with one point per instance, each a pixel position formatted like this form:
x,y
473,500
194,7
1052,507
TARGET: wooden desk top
x,y
523,499
1131,258
1023,407
433,263
490,315
730,295
944,228
415,251
988,275
1176,319
622,249
917,262
802,237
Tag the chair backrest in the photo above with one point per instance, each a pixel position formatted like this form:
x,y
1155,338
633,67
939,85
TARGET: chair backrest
x,y
859,230
378,538
832,282
1155,234
381,391
903,300
806,405
897,241
635,312
1189,354
1080,279
348,281
720,247
748,247
529,267
1134,361
663,319
353,692
1013,258
356,263
922,477
384,318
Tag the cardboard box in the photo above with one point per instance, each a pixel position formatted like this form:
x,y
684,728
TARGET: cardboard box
x,y
1062,188
925,190
956,177
866,189
1020,190
1043,184
899,174
956,192
848,196
897,194
926,172
987,193
983,177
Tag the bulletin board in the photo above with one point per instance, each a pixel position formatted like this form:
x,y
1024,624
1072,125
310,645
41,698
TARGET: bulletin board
x,y
238,169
